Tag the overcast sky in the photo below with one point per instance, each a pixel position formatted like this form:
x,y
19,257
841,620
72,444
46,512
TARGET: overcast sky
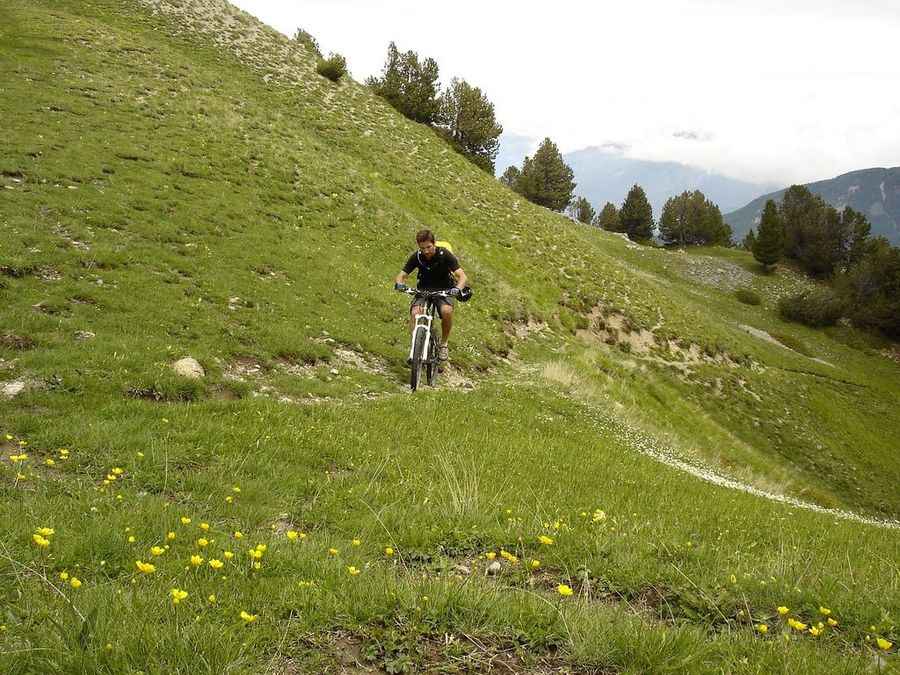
x,y
764,90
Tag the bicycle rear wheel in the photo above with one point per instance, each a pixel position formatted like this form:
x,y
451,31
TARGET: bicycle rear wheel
x,y
418,360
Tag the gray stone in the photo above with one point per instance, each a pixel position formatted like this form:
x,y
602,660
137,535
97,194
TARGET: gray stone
x,y
189,367
494,568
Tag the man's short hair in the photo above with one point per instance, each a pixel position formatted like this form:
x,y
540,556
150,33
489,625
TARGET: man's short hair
x,y
425,235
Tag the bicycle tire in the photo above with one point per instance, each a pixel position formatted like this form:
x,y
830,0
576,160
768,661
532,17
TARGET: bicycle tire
x,y
415,368
433,365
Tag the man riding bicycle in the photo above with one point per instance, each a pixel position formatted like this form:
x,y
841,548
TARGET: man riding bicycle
x,y
438,270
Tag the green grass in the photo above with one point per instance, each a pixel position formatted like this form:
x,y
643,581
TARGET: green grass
x,y
170,199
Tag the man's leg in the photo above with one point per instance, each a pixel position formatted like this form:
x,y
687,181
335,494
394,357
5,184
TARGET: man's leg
x,y
446,327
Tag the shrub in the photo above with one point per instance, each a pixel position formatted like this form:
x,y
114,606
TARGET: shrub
x,y
818,307
791,342
334,67
747,296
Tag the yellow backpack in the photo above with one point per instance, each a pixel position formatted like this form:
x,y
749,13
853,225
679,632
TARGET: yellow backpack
x,y
444,244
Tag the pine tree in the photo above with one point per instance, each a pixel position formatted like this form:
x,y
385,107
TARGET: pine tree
x,y
636,215
305,38
581,210
608,218
546,179
691,218
409,85
467,117
768,247
510,177
749,241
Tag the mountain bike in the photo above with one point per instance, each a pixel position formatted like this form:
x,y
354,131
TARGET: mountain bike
x,y
425,345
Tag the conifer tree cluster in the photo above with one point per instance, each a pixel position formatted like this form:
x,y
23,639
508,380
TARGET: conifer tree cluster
x,y
462,114
636,215
864,273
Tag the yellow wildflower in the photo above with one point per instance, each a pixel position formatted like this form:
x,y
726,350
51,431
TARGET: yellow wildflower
x,y
216,564
202,542
783,610
815,631
255,553
157,550
46,531
49,462
599,516
797,625
291,534
236,488
262,548
353,570
212,598
228,555
140,454
170,536
249,618
238,534
185,520
257,565
75,582
356,542
117,471
535,564
131,539
40,541
832,622
64,576
884,644
491,555
564,590
146,568
204,526
333,551
196,560
762,628
824,611
389,551
508,556
733,579
178,595
229,499
545,540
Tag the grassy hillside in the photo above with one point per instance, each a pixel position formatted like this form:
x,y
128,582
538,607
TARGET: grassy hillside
x,y
176,180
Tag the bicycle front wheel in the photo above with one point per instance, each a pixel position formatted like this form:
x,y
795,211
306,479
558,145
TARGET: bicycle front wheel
x,y
418,360
433,364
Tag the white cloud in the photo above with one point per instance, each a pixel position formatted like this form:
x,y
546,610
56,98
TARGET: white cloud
x,y
781,90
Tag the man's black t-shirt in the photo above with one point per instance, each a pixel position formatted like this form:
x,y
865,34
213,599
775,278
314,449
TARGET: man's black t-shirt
x,y
434,273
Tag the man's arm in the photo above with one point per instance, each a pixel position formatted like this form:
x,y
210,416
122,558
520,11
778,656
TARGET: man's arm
x,y
401,277
460,277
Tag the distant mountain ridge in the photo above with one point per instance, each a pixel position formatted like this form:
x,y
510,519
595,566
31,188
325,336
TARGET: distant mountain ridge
x,y
604,175
874,192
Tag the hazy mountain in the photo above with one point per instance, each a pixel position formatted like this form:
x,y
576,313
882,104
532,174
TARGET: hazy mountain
x,y
605,175
874,192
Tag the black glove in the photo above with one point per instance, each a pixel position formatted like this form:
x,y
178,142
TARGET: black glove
x,y
454,292
399,287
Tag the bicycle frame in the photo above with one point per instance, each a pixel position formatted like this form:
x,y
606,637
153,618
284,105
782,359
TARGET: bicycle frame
x,y
424,321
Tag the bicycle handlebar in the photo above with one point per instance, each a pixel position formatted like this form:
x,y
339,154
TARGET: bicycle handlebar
x,y
426,294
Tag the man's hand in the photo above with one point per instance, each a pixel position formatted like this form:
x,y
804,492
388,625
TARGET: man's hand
x,y
454,292
399,287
